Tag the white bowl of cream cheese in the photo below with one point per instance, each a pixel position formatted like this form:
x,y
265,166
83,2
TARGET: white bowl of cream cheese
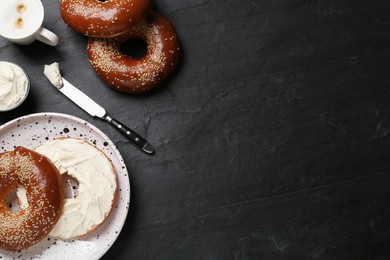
x,y
14,85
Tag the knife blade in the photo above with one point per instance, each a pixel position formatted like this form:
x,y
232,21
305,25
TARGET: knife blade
x,y
95,110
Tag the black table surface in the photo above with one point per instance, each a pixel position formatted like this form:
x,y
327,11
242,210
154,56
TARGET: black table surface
x,y
272,136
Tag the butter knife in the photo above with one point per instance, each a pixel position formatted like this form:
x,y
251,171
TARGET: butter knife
x,y
95,110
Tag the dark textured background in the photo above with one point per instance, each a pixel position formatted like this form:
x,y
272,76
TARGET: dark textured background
x,y
272,136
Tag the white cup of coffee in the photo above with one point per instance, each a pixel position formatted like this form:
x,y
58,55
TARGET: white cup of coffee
x,y
21,22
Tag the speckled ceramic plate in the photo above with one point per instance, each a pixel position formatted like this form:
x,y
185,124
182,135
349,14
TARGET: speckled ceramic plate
x,y
33,130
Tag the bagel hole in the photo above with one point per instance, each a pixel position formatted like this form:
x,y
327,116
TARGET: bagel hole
x,y
71,186
17,199
134,48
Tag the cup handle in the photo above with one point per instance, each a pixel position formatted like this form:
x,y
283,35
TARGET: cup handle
x,y
46,36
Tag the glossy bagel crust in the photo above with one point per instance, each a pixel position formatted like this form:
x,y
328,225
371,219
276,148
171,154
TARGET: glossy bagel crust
x,y
129,75
45,198
103,18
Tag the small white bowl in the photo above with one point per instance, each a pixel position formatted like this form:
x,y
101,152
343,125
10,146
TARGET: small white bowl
x,y
23,73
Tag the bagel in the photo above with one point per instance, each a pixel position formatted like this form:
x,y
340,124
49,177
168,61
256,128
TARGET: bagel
x,y
125,74
42,183
97,185
103,18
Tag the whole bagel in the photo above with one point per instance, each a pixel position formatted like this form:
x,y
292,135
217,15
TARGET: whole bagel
x,y
125,74
44,194
103,18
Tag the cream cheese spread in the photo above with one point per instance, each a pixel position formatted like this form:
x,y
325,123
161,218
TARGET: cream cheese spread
x,y
97,185
52,72
13,85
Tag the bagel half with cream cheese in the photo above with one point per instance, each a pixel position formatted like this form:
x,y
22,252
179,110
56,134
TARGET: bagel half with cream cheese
x,y
97,185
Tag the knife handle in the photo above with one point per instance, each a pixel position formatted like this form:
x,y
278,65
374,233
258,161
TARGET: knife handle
x,y
135,138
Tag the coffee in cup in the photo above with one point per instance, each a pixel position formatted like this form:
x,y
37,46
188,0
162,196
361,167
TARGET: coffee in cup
x,y
21,22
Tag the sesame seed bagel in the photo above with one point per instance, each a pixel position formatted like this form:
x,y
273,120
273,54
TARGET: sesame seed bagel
x,y
125,74
45,198
103,18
